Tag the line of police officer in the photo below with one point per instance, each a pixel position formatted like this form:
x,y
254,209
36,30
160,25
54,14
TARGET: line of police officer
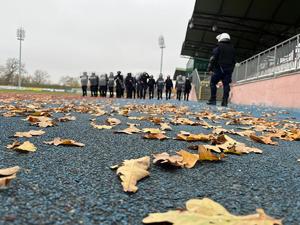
x,y
135,87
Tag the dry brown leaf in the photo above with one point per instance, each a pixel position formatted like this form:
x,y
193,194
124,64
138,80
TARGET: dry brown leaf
x,y
206,212
263,140
41,121
101,127
165,126
165,158
158,136
66,118
29,134
189,160
185,136
133,170
129,130
153,131
8,174
26,146
66,142
206,155
13,145
113,121
241,148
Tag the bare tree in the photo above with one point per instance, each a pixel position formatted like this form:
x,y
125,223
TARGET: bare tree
x,y
10,73
70,81
40,77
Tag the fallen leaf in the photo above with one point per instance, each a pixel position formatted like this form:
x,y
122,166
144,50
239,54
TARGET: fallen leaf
x,y
101,127
29,134
165,126
205,212
165,158
206,155
113,121
158,136
189,160
263,140
8,174
185,136
133,170
129,130
153,131
66,142
26,146
66,118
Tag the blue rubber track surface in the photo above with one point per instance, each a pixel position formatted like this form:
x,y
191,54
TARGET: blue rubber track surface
x,y
69,185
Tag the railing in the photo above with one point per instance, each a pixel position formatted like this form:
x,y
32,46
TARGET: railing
x,y
279,59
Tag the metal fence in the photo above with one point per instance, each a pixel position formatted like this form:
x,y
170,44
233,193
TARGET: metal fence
x,y
279,59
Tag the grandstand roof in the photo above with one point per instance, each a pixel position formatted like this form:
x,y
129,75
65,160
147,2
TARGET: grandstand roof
x,y
254,25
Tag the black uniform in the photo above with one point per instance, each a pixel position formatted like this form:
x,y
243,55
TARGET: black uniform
x,y
151,86
169,87
94,80
84,82
179,88
222,65
119,85
111,84
187,89
160,83
129,85
143,85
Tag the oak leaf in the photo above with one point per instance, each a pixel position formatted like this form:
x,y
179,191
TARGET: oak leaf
x,y
65,142
206,212
8,174
131,171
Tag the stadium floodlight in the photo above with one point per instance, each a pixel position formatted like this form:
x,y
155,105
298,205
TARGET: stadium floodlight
x,y
161,43
20,37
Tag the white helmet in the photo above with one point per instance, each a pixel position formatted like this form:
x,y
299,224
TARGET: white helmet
x,y
223,37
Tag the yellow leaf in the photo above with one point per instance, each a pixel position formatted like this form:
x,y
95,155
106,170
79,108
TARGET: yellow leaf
x,y
208,212
113,121
133,170
29,134
153,131
26,146
263,140
165,126
188,159
101,127
185,136
129,130
158,136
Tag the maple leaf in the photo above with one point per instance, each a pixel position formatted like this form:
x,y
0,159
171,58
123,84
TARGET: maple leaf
x,y
263,140
8,174
65,142
131,171
29,134
165,158
207,211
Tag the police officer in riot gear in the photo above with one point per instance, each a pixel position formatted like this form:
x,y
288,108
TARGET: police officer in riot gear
x,y
151,86
111,84
129,85
179,87
160,83
94,80
84,82
119,84
187,88
103,85
169,87
143,82
221,65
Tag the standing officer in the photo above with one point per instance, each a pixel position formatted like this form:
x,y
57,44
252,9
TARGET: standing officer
x,y
111,84
129,85
187,88
151,86
143,82
179,87
160,83
221,66
84,82
119,84
94,85
169,87
103,85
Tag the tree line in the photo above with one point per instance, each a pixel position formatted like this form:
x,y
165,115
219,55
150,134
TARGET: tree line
x,y
9,75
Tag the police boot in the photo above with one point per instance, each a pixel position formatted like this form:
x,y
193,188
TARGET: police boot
x,y
224,102
211,102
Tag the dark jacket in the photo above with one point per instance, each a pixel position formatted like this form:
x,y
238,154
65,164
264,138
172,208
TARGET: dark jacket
x,y
187,86
169,84
151,83
160,83
223,57
129,82
144,78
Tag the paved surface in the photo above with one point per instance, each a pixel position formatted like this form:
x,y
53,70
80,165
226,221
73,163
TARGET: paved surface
x,y
69,185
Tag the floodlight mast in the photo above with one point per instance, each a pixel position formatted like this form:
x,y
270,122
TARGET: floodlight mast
x,y
161,43
20,37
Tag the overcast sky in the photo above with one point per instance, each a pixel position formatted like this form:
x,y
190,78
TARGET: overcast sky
x,y
66,37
